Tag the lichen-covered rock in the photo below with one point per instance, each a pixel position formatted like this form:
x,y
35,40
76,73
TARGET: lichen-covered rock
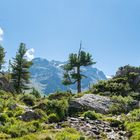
x,y
30,115
98,103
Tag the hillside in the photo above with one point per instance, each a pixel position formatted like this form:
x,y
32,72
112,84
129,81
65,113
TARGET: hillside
x,y
47,76
108,111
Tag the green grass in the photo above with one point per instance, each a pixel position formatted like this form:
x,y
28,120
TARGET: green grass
x,y
64,134
133,127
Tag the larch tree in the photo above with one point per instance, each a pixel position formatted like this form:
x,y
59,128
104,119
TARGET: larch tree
x,y
72,70
20,70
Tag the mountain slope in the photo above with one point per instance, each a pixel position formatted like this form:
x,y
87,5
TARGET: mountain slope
x,y
47,76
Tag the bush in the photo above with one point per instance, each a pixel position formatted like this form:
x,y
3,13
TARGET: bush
x,y
35,93
115,123
58,107
4,136
134,115
2,105
41,113
10,113
28,99
121,105
68,134
53,118
60,95
91,115
134,128
126,82
3,118
18,112
20,128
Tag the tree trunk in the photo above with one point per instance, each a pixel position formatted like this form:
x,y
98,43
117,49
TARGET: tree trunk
x,y
78,80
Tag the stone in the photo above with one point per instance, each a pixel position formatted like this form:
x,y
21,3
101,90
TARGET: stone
x,y
98,103
108,130
96,132
30,115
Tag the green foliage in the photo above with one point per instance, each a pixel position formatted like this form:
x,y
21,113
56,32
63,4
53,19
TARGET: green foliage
x,y
118,86
132,124
58,107
68,134
2,56
134,115
42,114
3,118
4,136
134,128
20,128
72,72
91,115
115,123
121,104
20,70
53,118
126,82
28,99
10,114
78,95
60,95
35,93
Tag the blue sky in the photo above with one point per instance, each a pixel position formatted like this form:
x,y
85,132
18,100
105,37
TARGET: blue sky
x,y
109,29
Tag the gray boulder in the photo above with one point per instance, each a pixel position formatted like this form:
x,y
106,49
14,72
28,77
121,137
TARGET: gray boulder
x,y
30,115
98,103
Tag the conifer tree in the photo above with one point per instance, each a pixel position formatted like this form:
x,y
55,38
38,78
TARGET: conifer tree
x,y
72,70
2,56
20,70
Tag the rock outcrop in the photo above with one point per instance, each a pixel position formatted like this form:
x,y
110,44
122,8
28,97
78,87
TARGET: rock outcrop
x,y
98,103
30,115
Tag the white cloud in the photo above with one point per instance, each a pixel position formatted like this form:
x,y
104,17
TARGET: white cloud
x,y
109,77
1,34
30,54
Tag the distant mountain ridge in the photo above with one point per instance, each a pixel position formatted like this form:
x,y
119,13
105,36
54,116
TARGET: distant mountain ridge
x,y
47,76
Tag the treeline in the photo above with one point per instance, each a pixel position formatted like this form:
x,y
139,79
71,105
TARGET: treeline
x,y
19,74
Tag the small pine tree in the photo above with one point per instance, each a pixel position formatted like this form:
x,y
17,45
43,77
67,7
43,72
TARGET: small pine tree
x,y
20,70
35,93
72,71
2,56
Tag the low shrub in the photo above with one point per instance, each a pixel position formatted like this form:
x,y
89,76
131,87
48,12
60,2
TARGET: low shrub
x,y
28,99
60,95
53,118
91,115
4,136
134,128
121,105
58,107
3,118
10,113
42,114
19,128
35,93
68,134
134,115
115,123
